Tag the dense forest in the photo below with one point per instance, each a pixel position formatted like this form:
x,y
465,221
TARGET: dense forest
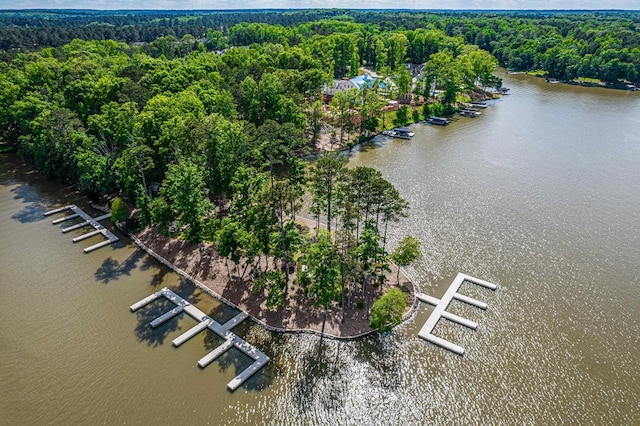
x,y
199,123
566,45
209,145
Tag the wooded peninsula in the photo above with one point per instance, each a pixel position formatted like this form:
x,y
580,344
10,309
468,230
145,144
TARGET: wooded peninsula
x,y
197,127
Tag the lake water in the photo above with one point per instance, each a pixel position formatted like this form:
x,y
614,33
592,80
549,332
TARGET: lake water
x,y
540,194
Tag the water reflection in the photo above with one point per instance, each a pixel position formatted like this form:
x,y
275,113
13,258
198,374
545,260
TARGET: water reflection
x,y
156,336
112,269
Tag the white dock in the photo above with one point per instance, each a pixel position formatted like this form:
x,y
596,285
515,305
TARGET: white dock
x,y
441,306
213,355
166,316
204,321
62,219
190,333
235,321
88,221
145,301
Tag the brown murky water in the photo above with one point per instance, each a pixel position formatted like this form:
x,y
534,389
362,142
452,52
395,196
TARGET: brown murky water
x,y
541,195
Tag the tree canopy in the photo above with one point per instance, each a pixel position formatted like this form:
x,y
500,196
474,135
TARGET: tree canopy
x,y
600,44
387,311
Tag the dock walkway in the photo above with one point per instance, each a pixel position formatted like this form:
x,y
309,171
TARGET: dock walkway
x,y
88,221
204,321
441,306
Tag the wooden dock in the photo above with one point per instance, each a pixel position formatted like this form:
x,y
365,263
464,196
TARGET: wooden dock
x,y
204,321
441,306
88,221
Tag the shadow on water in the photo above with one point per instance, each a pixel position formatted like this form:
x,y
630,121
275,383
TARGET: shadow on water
x,y
34,211
381,352
33,187
370,145
26,193
234,358
29,214
223,313
321,381
158,278
156,336
111,269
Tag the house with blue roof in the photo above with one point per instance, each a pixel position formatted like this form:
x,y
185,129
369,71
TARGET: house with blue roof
x,y
385,87
363,81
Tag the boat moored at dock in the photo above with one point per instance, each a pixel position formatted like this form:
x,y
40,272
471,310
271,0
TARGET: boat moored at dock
x,y
469,112
403,132
440,121
399,132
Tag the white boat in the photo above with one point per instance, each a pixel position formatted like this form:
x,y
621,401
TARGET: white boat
x,y
469,112
440,121
399,132
403,133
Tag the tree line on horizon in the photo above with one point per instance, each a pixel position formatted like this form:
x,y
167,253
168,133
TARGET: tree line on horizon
x,y
566,45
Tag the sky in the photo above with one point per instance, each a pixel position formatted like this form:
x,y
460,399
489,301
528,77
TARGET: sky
x,y
303,4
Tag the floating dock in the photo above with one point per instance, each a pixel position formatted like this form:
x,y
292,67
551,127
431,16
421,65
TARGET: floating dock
x,y
88,221
441,306
204,321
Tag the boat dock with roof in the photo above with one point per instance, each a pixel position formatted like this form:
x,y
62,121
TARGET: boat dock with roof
x,y
440,121
400,132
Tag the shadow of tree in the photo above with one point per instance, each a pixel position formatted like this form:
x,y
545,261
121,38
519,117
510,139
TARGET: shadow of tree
x,y
369,145
112,269
188,291
239,361
223,313
156,336
158,278
235,358
380,351
34,212
29,214
25,193
320,381
32,187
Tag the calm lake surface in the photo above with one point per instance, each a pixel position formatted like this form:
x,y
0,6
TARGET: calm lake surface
x,y
540,194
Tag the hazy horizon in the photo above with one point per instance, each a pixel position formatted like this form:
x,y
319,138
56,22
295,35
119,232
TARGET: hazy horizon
x,y
480,5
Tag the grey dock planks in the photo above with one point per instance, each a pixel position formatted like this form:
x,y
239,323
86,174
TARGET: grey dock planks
x,y
85,236
76,226
88,221
62,219
244,375
190,333
441,306
204,321
145,301
211,356
470,301
166,316
235,321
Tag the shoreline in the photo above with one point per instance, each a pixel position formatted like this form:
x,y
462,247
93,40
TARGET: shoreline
x,y
299,316
577,82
